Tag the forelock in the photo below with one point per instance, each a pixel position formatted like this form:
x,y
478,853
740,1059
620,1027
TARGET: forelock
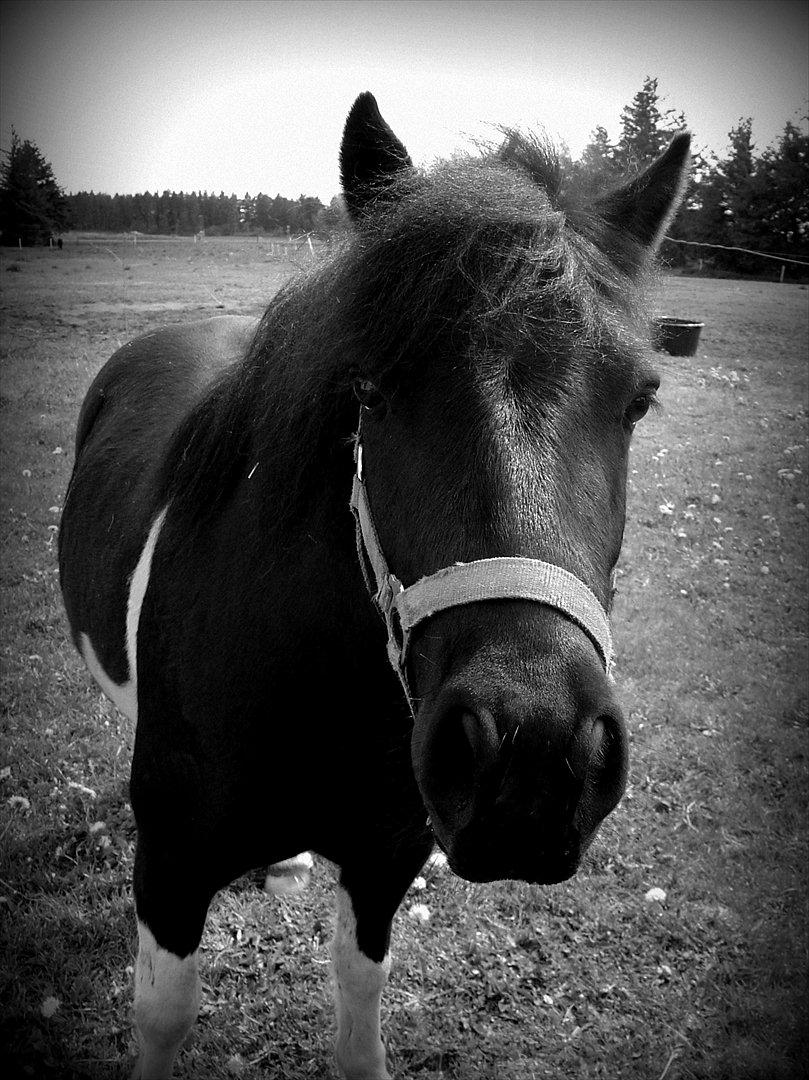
x,y
483,246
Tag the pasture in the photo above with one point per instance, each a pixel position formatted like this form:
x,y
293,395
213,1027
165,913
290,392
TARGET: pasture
x,y
592,978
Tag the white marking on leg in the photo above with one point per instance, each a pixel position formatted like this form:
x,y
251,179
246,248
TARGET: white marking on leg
x,y
125,695
167,996
358,986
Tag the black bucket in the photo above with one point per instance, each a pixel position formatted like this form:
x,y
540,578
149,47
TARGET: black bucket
x,y
678,337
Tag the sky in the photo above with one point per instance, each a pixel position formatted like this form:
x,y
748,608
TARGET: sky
x,y
251,95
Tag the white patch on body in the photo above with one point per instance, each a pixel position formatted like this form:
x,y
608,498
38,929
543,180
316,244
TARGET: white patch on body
x,y
125,695
358,986
290,876
167,997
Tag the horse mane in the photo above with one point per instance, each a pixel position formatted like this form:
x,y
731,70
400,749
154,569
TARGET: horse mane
x,y
478,252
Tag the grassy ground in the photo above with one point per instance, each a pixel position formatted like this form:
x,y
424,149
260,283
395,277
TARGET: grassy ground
x,y
585,979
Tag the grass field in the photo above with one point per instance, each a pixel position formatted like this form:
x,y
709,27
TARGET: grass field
x,y
588,979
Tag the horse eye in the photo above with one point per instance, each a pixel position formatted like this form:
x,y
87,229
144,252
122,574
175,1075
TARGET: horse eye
x,y
637,409
369,396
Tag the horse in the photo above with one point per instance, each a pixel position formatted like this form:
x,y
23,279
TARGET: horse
x,y
349,566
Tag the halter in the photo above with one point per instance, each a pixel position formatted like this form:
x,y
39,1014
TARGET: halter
x,y
509,578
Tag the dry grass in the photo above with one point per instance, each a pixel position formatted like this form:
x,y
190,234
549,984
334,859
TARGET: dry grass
x,y
585,979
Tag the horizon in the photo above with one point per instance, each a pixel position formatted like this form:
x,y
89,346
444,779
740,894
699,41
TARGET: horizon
x,y
251,97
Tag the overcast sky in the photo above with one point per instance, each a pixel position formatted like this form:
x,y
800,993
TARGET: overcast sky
x,y
137,95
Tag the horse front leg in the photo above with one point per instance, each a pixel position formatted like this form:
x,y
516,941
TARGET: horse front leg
x,y
367,900
358,984
171,909
167,998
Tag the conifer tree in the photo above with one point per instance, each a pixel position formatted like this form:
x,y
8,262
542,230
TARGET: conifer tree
x,y
597,167
740,187
32,205
644,130
782,193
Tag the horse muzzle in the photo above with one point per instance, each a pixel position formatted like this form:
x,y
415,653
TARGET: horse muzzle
x,y
518,764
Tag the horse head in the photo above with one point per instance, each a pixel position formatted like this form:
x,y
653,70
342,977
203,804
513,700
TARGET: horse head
x,y
501,367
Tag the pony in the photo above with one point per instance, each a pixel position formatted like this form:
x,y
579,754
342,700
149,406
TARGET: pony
x,y
463,372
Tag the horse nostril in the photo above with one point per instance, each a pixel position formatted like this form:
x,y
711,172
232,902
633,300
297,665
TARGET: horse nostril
x,y
608,755
452,754
600,740
477,736
599,751
452,743
607,742
465,741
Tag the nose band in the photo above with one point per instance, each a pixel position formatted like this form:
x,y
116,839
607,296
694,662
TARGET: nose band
x,y
507,578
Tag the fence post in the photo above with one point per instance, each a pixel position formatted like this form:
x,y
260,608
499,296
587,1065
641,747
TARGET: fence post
x,y
783,268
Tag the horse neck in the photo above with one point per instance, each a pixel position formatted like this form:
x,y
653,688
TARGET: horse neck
x,y
304,465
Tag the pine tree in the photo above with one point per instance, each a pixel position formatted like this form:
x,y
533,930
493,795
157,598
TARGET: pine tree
x,y
32,205
332,220
598,155
738,170
247,214
644,130
782,201
597,167
740,187
708,219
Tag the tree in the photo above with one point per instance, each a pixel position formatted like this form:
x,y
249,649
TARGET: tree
x,y
645,131
332,220
304,213
707,211
782,193
730,211
739,176
32,205
598,155
597,168
247,214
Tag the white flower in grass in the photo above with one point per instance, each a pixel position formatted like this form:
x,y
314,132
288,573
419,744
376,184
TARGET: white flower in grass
x,y
419,884
49,1006
420,912
655,894
437,860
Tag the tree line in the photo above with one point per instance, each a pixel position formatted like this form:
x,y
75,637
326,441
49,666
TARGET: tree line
x,y
184,214
756,200
34,208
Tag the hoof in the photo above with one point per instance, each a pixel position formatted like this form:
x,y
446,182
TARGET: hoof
x,y
290,876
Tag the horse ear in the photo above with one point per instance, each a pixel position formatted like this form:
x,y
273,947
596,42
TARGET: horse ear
x,y
370,155
645,206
